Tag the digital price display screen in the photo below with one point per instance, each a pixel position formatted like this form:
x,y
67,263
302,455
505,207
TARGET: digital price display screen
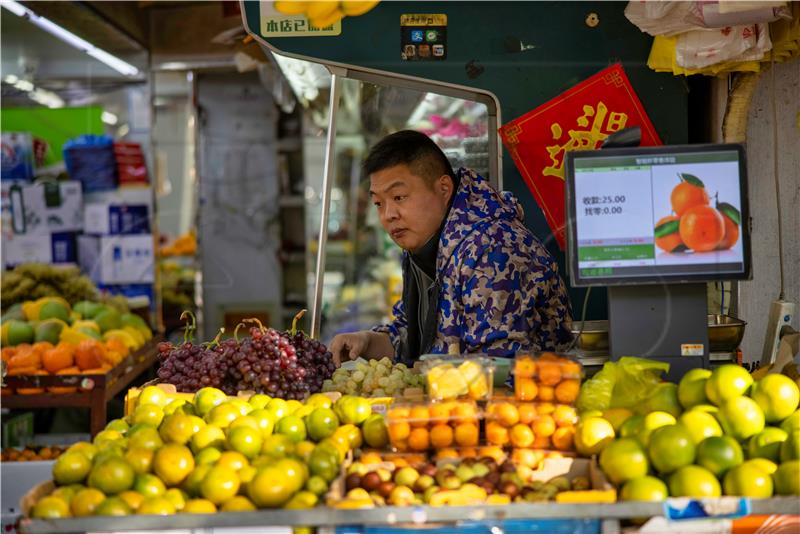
x,y
661,214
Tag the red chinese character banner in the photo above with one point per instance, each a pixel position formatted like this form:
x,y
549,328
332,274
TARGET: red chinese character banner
x,y
579,119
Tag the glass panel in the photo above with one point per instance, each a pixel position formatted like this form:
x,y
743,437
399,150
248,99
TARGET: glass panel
x,y
363,276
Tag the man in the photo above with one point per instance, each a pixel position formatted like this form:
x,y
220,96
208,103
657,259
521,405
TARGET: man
x,y
472,273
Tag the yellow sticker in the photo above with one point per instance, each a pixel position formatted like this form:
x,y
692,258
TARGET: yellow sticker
x,y
423,19
274,24
691,349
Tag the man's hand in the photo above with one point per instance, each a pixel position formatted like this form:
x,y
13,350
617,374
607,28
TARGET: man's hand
x,y
349,346
366,344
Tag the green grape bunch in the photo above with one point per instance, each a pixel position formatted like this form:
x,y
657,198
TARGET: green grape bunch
x,y
373,378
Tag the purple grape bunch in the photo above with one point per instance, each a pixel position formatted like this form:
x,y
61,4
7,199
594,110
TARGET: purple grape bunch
x,y
287,365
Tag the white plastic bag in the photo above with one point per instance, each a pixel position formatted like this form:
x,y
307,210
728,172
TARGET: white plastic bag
x,y
673,18
700,48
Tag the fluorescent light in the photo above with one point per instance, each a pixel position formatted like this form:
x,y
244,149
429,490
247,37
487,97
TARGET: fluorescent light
x,y
11,79
46,98
65,35
109,118
24,85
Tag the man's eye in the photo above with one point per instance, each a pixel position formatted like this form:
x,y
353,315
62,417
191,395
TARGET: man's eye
x,y
377,204
399,198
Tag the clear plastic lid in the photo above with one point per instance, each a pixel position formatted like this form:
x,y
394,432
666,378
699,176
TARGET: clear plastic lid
x,y
547,377
458,376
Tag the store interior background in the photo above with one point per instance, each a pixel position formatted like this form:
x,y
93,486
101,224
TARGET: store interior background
x,y
236,150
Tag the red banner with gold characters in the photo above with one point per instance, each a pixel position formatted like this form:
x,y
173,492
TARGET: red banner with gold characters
x,y
579,119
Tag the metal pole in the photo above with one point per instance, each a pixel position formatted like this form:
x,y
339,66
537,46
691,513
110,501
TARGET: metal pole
x,y
327,184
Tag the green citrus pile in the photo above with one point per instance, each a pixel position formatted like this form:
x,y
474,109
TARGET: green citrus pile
x,y
717,432
214,453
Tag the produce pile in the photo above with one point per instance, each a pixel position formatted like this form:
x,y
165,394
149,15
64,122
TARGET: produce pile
x,y
30,454
717,433
374,378
48,336
31,281
212,453
288,365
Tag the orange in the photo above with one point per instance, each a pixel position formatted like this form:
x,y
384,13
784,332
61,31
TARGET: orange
x,y
563,438
398,431
419,439
570,369
493,452
440,411
468,453
545,408
542,442
546,393
567,391
731,234
527,412
465,412
57,358
668,238
441,436
446,454
401,445
686,196
466,434
526,457
545,425
506,414
524,368
90,354
565,415
496,434
419,416
549,373
525,389
173,463
398,414
521,435
702,228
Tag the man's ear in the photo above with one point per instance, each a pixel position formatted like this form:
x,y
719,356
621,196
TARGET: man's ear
x,y
444,185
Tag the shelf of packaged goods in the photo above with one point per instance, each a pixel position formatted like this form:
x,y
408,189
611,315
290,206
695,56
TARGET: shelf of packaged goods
x,y
95,390
390,515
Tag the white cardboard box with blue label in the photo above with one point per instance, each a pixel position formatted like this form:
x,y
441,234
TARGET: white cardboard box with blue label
x,y
124,211
43,208
117,259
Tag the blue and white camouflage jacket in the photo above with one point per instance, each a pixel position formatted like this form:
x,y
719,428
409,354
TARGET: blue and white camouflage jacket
x,y
499,291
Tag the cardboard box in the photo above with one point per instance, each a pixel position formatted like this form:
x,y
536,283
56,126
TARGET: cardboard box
x,y
43,208
17,156
51,249
126,211
117,259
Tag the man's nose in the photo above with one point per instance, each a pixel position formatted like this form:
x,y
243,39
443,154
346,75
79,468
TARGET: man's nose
x,y
390,213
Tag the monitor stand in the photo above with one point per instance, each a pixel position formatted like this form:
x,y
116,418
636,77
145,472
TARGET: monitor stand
x,y
664,322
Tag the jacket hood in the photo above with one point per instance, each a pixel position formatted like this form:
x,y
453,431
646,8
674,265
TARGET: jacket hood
x,y
475,205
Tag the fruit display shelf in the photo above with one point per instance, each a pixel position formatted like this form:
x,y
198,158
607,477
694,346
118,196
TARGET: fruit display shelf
x,y
606,515
94,391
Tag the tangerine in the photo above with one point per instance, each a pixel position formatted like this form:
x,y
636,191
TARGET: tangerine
x,y
686,196
542,442
525,389
57,358
90,354
496,434
565,415
441,436
567,391
563,438
702,228
546,393
524,368
506,414
521,435
527,413
398,431
466,435
667,235
419,439
545,425
419,416
549,372
731,234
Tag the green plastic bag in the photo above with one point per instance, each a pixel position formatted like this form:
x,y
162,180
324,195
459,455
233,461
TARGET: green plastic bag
x,y
621,384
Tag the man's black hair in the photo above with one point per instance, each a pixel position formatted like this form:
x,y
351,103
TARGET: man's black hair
x,y
414,149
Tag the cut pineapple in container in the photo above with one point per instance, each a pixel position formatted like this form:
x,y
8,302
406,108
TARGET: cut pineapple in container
x,y
451,377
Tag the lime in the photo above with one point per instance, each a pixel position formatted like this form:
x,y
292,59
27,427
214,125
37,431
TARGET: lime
x,y
644,488
671,447
277,445
766,465
233,459
145,437
319,400
113,506
317,485
718,454
324,463
292,427
209,455
112,476
278,408
792,422
208,436
700,425
293,471
191,485
592,435
651,422
265,420
199,506
790,449
741,417
726,382
259,401
663,399
268,490
238,504
246,440
173,463
132,498
85,502
149,414
71,467
694,481
139,458
623,460
149,485
177,428
777,395
767,444
632,426
219,484
322,422
302,500
156,506
206,398
748,480
787,478
617,416
222,415
177,497
153,395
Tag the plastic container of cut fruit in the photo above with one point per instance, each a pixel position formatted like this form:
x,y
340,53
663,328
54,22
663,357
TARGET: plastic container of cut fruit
x,y
450,377
537,425
422,426
547,377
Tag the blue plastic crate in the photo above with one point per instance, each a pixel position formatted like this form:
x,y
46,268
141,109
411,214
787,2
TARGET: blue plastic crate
x,y
91,159
509,526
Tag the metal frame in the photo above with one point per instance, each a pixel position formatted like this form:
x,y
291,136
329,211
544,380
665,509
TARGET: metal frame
x,y
390,515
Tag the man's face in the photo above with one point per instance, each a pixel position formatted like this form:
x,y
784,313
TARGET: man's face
x,y
411,211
